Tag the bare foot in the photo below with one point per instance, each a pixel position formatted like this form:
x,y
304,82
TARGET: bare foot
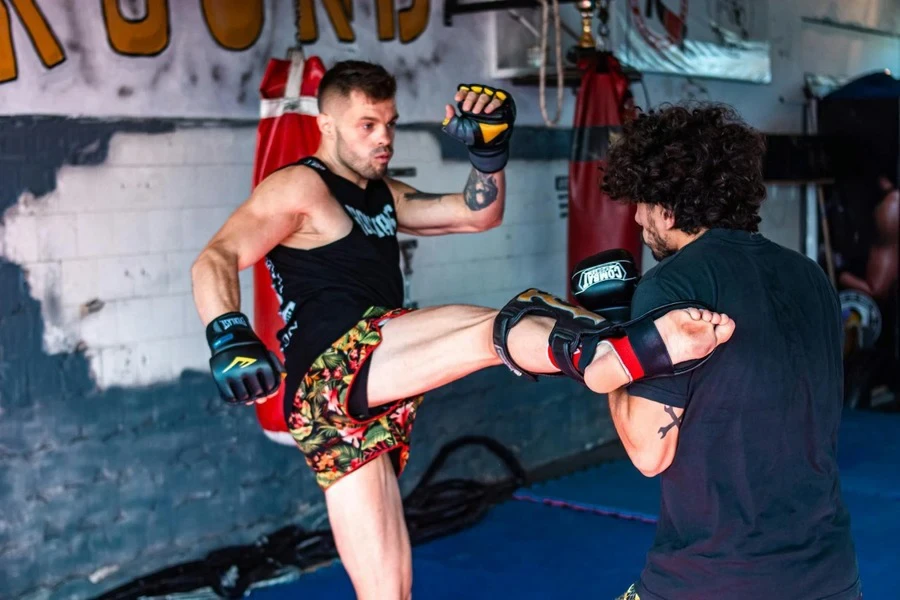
x,y
692,333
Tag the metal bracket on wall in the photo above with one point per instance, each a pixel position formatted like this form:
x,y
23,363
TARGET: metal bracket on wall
x,y
858,28
455,7
401,172
406,251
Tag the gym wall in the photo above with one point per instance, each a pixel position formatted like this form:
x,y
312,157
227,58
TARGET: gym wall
x,y
122,151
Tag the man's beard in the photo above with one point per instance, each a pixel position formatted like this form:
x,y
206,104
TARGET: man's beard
x,y
658,247
363,166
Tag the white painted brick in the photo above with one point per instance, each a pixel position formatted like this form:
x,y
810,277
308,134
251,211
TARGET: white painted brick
x,y
136,321
94,235
137,364
434,250
189,352
227,145
44,281
413,148
247,301
50,203
61,329
132,232
107,188
20,240
80,279
178,268
143,319
115,364
212,186
150,273
100,329
115,278
200,224
56,237
476,279
168,316
246,277
139,188
165,230
441,281
191,324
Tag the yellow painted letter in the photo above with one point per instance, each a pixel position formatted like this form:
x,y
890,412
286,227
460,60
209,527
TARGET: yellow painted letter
x,y
146,37
235,24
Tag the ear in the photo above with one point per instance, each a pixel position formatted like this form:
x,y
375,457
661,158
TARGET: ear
x,y
667,216
326,124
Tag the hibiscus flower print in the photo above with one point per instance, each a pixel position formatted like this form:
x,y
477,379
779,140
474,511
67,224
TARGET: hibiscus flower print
x,y
354,436
401,415
333,398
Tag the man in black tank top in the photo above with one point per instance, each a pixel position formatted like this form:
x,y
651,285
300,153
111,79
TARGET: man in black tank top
x,y
357,363
751,497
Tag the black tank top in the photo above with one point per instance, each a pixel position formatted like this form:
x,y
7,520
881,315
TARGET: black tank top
x,y
324,291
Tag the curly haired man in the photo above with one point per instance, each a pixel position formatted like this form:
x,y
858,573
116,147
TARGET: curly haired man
x,y
751,502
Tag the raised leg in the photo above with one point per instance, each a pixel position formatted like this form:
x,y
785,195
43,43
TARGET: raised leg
x,y
425,349
432,347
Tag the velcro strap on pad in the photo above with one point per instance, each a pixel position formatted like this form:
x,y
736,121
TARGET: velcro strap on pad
x,y
648,347
563,344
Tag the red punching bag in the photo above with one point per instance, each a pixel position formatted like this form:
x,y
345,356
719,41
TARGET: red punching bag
x,y
596,222
287,132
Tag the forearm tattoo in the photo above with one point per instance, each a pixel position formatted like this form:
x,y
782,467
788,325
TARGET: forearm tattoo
x,y
481,190
676,422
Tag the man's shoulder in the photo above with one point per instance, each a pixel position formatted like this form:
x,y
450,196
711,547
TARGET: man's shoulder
x,y
300,177
673,267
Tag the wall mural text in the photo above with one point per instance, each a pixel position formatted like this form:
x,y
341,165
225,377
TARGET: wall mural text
x,y
234,25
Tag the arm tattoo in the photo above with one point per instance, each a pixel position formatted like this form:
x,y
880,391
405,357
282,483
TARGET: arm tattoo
x,y
676,422
481,190
424,196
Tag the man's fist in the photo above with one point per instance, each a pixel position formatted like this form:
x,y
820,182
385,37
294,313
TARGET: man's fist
x,y
484,125
243,368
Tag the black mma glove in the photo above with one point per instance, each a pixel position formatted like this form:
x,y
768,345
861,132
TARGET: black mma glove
x,y
604,283
486,135
244,369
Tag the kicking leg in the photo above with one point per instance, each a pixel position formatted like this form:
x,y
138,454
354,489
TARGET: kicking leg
x,y
366,514
431,347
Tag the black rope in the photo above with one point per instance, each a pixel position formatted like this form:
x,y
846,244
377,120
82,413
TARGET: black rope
x,y
431,509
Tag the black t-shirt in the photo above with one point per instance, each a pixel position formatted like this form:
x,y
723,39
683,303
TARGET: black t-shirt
x,y
751,505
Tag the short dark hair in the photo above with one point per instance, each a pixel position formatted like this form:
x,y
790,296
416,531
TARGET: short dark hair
x,y
702,163
344,77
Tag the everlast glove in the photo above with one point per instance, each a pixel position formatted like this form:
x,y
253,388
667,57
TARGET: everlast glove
x,y
244,369
486,135
604,283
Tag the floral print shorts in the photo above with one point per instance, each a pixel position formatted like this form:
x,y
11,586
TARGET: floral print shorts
x,y
333,441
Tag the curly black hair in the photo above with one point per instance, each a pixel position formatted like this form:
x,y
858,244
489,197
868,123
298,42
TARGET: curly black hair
x,y
702,163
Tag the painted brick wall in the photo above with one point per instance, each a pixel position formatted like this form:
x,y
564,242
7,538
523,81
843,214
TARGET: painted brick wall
x,y
118,458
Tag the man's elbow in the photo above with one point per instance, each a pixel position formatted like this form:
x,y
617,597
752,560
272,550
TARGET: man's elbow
x,y
651,464
487,221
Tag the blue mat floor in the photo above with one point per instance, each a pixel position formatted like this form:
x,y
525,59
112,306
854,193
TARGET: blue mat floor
x,y
527,549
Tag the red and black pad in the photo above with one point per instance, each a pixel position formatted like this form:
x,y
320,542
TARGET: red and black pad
x,y
597,223
287,132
